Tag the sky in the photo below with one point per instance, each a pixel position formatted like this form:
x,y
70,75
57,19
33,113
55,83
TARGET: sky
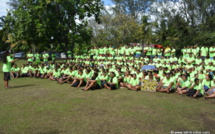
x,y
107,2
4,6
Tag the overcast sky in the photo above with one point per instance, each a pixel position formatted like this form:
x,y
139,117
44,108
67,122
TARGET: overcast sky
x,y
4,6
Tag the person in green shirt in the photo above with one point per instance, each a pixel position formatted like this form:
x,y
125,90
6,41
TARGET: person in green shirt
x,y
103,77
173,51
55,75
183,85
145,49
112,83
15,71
134,83
211,92
212,52
166,85
53,57
45,57
138,51
34,71
154,52
37,58
197,87
159,52
93,83
204,52
167,52
6,68
78,81
149,51
190,59
30,57
206,83
69,54
126,80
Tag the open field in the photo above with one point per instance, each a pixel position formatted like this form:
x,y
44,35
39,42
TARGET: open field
x,y
40,106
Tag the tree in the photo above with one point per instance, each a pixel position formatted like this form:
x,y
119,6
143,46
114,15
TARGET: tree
x,y
116,28
184,22
134,8
52,23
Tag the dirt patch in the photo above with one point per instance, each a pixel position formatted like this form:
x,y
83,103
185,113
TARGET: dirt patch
x,y
1,132
209,124
38,93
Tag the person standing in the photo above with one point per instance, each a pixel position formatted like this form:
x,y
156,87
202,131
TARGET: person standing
x,y
69,54
7,60
173,51
159,52
204,52
167,52
37,58
53,57
30,57
212,52
154,52
45,57
148,50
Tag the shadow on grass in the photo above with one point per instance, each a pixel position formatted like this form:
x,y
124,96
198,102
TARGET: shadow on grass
x,y
28,85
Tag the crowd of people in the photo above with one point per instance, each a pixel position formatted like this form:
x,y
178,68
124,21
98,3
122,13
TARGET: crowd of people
x,y
112,68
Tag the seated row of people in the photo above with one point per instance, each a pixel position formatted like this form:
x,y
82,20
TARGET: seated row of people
x,y
190,81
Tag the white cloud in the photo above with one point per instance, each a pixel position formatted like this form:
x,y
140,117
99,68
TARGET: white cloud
x,y
3,7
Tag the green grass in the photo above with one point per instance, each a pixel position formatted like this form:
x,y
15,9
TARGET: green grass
x,y
38,106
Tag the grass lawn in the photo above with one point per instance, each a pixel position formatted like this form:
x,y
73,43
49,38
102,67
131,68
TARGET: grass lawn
x,y
40,106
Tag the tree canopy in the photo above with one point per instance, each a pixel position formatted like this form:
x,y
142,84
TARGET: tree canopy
x,y
56,24
78,24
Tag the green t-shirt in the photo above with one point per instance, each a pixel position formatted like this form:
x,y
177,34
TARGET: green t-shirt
x,y
126,79
173,51
167,52
45,57
7,66
25,70
56,73
166,82
185,83
204,51
98,81
138,50
114,80
30,57
37,56
134,82
206,83
149,50
15,69
212,83
127,51
190,59
69,52
159,51
154,51
199,87
53,56
212,54
198,61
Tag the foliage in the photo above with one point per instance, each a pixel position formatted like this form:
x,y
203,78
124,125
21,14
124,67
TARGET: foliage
x,y
134,8
75,24
48,23
116,29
